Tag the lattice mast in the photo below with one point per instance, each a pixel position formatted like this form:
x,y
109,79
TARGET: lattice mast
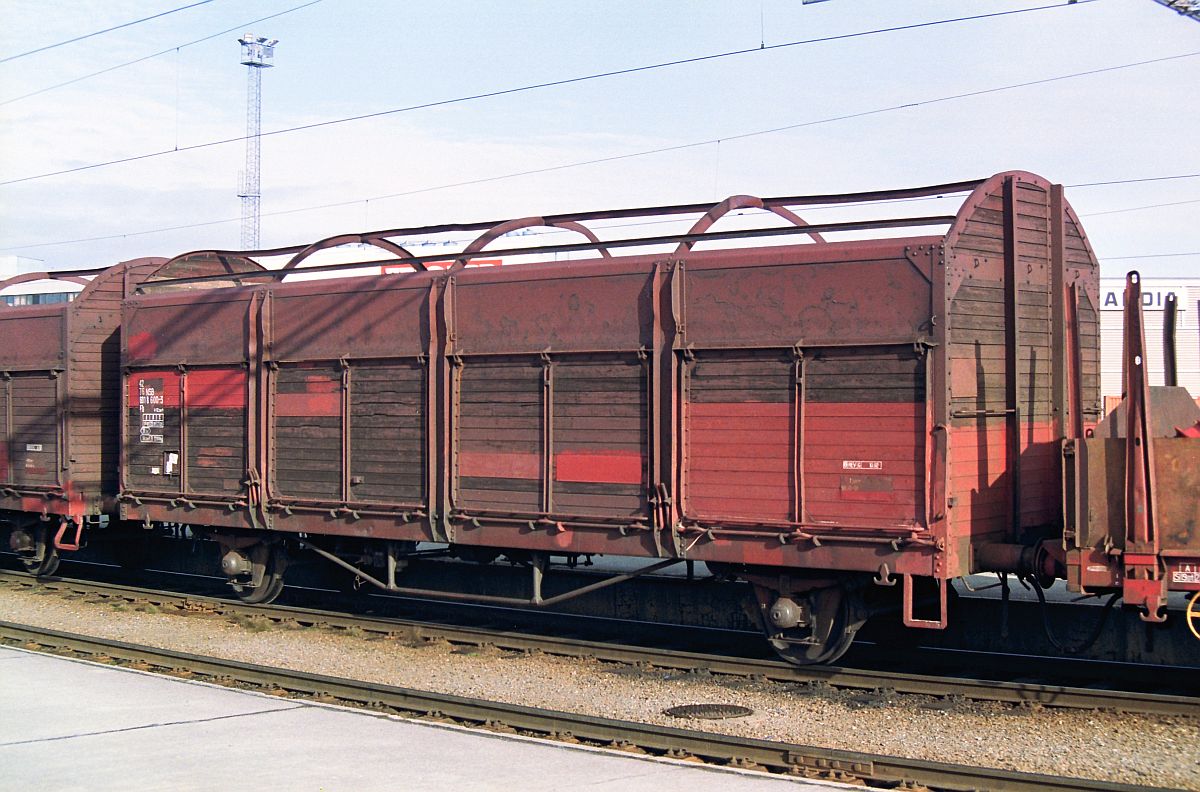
x,y
256,51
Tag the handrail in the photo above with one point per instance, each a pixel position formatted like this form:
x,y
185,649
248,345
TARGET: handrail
x,y
908,222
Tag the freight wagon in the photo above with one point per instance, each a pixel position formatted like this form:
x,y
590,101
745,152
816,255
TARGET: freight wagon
x,y
838,422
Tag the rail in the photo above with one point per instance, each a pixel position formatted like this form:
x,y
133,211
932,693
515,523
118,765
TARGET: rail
x,y
644,656
800,760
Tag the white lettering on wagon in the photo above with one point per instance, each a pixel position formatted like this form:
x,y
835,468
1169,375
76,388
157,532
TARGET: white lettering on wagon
x,y
33,446
150,406
862,464
1187,573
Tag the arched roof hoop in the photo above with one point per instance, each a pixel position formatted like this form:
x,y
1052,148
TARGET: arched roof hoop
x,y
735,202
497,231
350,239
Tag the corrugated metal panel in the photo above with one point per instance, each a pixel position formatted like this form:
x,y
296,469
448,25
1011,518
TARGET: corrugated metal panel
x,y
1187,333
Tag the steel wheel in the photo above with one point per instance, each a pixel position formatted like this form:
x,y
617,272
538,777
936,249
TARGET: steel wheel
x,y
45,562
272,579
834,622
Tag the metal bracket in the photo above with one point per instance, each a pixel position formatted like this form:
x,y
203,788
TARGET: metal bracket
x,y
925,624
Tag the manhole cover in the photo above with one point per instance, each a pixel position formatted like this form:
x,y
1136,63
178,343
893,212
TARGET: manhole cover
x,y
710,711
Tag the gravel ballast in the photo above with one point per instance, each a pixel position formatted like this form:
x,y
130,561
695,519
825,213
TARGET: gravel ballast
x,y
1135,749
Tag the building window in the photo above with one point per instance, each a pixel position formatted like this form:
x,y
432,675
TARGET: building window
x,y
39,299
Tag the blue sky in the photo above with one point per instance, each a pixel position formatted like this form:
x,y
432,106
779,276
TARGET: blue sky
x,y
339,58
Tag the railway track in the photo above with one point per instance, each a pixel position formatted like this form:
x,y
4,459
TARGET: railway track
x,y
801,760
650,658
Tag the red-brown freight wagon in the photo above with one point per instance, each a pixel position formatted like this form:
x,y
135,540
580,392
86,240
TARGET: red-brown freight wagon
x,y
809,415
61,439
60,407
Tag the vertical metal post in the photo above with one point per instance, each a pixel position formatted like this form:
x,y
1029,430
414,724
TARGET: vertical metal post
x,y
677,401
451,385
660,350
798,401
433,368
1058,311
346,441
1074,363
1170,363
183,431
8,439
547,434
1012,354
937,394
1143,584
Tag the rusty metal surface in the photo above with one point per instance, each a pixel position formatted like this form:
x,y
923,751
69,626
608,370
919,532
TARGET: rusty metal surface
x,y
1171,408
835,405
1177,472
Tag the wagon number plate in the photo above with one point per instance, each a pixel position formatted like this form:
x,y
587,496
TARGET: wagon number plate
x,y
862,464
1187,573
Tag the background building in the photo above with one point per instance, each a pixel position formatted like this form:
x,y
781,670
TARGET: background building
x,y
35,292
1187,331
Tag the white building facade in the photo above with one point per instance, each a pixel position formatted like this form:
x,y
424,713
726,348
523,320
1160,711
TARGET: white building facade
x,y
1187,331
42,292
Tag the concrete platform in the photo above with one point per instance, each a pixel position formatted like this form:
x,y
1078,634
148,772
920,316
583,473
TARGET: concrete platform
x,y
74,725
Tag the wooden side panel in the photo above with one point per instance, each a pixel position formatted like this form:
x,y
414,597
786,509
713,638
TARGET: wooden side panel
x,y
980,330
1089,340
307,448
216,431
35,429
834,439
599,428
739,435
95,386
498,447
388,446
864,437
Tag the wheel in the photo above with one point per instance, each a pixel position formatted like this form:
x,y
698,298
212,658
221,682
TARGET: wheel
x,y
46,559
828,629
268,591
272,558
1193,614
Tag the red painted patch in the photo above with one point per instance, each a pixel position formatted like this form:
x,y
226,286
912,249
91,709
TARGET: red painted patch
x,y
217,388
499,464
142,346
740,461
308,405
608,467
153,389
978,466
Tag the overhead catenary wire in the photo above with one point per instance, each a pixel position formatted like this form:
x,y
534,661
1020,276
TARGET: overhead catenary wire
x,y
101,32
158,54
648,152
558,83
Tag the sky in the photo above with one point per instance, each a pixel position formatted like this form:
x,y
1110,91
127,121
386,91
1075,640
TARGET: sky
x,y
864,110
